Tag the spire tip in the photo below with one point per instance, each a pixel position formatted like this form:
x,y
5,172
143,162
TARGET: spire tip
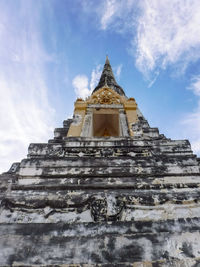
x,y
107,60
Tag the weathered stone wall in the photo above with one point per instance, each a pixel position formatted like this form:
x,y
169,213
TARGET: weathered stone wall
x,y
129,201
163,243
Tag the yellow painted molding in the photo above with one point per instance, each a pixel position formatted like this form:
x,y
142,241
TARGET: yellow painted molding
x,y
130,104
80,104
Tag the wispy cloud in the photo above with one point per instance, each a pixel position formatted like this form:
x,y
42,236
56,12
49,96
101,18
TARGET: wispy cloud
x,y
163,32
109,10
167,32
95,76
195,85
81,82
154,79
191,122
26,115
191,128
117,70
117,14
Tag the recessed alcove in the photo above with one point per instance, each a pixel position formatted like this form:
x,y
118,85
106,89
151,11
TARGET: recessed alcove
x,y
105,123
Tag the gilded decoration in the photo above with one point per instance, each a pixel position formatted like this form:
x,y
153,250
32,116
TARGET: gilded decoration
x,y
105,96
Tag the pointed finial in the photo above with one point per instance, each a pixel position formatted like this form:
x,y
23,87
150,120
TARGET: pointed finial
x,y
107,60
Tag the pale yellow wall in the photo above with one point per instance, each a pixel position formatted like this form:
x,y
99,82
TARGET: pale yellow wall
x,y
130,107
80,110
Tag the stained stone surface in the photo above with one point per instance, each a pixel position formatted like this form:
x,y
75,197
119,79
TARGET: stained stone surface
x,y
132,201
109,201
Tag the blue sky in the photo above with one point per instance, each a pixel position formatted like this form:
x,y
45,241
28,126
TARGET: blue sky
x,y
53,51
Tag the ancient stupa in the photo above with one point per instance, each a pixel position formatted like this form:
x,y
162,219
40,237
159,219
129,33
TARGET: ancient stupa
x,y
107,190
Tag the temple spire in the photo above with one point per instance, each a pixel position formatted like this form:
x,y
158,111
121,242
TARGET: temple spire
x,y
107,77
107,60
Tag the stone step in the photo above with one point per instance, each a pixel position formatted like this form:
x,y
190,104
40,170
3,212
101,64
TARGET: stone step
x,y
108,171
49,244
113,161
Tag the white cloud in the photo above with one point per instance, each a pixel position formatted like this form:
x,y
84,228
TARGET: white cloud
x,y
117,71
81,84
95,76
153,79
163,32
191,129
195,85
110,8
196,146
190,125
167,32
117,14
25,113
